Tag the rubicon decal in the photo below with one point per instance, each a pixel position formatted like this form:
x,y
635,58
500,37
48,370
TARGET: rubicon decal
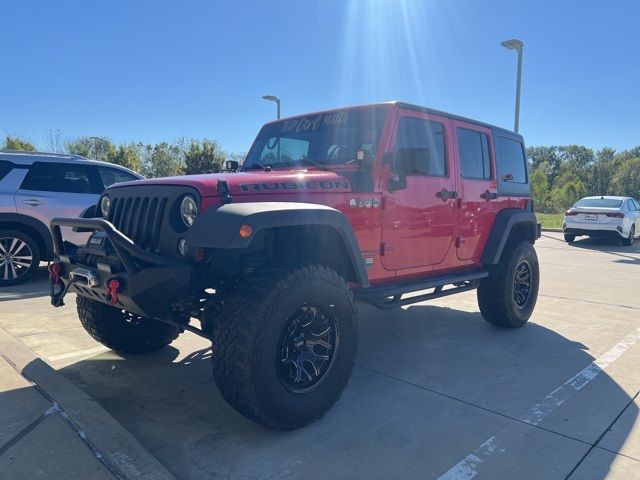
x,y
307,185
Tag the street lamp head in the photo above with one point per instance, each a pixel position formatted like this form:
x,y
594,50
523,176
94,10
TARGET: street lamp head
x,y
513,44
272,98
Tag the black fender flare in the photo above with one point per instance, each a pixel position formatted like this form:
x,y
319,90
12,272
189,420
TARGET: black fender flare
x,y
506,220
40,228
219,228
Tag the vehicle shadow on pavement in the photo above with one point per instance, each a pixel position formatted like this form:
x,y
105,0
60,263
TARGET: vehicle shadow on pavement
x,y
36,286
431,385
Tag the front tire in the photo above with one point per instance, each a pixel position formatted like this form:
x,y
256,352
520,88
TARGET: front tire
x,y
285,345
508,295
19,257
123,331
628,241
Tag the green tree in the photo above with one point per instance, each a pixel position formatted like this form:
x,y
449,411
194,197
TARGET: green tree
x,y
96,148
163,160
14,142
540,191
127,155
564,197
626,179
203,157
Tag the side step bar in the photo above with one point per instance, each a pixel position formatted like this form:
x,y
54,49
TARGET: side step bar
x,y
390,296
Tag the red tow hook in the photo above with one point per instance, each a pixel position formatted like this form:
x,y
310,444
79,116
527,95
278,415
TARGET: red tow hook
x,y
112,290
54,273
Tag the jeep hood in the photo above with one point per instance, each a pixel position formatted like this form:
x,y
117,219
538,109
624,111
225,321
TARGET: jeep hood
x,y
247,183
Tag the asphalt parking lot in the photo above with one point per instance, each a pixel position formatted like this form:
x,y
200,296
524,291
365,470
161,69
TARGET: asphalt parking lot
x,y
436,393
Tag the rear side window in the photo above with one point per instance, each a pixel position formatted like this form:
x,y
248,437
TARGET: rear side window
x,y
473,148
58,177
5,168
109,176
419,133
513,166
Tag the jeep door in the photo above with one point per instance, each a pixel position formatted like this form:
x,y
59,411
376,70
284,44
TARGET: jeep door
x,y
53,189
479,202
418,222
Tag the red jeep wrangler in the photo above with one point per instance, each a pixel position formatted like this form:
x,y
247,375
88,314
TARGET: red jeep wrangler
x,y
372,202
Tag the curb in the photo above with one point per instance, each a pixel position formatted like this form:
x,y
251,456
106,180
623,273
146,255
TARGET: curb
x,y
105,436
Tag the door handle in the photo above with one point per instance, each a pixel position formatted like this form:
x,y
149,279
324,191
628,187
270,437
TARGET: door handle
x,y
489,195
33,202
445,194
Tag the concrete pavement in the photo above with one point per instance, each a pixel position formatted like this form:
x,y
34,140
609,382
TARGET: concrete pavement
x,y
437,392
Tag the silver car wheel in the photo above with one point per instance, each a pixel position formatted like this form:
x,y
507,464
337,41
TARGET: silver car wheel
x,y
16,258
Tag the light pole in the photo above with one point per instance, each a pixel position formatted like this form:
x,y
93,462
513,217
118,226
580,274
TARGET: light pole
x,y
273,98
515,44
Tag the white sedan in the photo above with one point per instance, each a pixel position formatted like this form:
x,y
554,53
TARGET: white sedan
x,y
614,217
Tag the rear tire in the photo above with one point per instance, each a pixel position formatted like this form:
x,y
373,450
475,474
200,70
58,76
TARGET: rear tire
x,y
569,238
123,331
508,295
19,257
627,242
285,344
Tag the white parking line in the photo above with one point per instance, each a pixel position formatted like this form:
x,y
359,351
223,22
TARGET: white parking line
x,y
496,445
79,353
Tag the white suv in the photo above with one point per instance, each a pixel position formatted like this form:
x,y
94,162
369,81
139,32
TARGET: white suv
x,y
34,188
614,217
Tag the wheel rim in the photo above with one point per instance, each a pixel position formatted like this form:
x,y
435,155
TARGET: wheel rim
x,y
308,346
16,258
522,284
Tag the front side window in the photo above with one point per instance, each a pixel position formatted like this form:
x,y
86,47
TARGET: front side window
x,y
427,134
58,177
323,139
513,166
473,149
109,176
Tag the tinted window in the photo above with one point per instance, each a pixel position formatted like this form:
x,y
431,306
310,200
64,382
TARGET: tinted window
x,y
599,203
5,167
109,176
511,159
637,205
418,133
58,177
473,148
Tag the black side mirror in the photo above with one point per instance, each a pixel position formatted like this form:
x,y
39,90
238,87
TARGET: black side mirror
x,y
232,165
409,161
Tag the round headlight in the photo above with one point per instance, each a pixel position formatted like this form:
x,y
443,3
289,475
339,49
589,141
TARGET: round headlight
x,y
105,204
188,210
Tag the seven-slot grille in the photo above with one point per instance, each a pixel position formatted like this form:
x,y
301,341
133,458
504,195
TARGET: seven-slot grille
x,y
140,219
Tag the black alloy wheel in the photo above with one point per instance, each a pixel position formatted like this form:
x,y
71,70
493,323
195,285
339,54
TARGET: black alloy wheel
x,y
308,347
522,284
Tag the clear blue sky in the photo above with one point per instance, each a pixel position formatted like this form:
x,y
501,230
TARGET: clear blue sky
x,y
155,70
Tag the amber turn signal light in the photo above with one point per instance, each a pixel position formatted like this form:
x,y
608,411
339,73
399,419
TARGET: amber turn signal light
x,y
246,231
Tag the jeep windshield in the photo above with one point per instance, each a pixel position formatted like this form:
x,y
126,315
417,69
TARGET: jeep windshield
x,y
320,140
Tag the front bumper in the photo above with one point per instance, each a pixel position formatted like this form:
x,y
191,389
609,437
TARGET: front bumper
x,y
148,282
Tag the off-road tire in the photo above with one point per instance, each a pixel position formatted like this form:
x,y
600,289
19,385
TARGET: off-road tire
x,y
496,292
34,254
246,344
569,238
627,242
122,331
